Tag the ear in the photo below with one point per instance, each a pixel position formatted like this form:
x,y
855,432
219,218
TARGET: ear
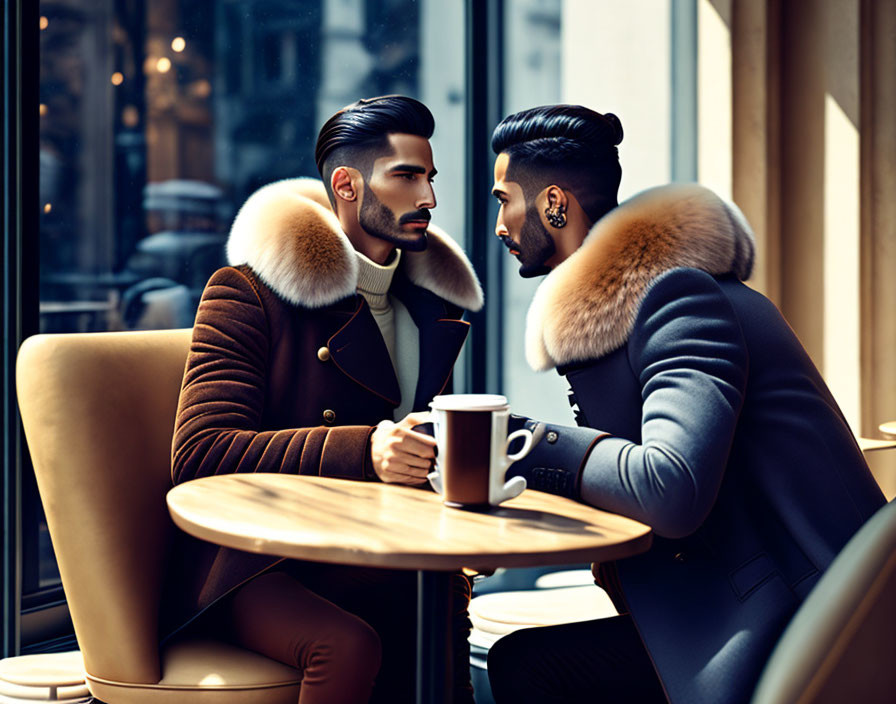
x,y
556,197
344,183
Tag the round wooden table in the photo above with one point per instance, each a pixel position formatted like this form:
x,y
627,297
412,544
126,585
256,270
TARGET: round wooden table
x,y
888,428
383,525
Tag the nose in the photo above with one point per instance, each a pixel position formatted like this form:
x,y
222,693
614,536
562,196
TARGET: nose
x,y
427,198
501,229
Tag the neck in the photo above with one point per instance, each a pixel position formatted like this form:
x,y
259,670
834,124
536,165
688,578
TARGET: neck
x,y
374,248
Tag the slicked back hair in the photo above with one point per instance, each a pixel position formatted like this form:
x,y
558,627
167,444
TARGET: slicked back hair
x,y
359,133
565,145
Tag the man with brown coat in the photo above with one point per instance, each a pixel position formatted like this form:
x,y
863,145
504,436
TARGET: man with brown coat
x,y
314,353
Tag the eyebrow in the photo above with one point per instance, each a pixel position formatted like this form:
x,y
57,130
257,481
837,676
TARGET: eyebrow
x,y
412,168
498,192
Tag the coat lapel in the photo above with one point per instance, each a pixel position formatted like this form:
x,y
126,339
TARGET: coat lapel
x,y
441,337
357,348
440,344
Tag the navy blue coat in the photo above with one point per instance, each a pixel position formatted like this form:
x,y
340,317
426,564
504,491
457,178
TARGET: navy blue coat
x,y
723,437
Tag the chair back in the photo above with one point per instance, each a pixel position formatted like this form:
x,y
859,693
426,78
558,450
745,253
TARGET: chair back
x,y
841,644
98,411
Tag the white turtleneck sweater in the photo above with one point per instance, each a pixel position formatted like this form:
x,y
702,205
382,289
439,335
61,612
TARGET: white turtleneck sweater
x,y
395,323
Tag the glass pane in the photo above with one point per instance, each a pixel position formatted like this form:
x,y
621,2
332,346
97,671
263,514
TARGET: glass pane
x,y
611,57
159,118
532,76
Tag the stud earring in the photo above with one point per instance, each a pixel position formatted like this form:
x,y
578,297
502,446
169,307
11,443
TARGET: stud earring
x,y
556,216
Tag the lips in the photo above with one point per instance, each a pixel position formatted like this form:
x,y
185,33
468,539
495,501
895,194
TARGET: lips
x,y
510,244
418,219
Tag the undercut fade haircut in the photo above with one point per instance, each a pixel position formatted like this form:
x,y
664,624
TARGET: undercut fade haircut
x,y
565,145
359,133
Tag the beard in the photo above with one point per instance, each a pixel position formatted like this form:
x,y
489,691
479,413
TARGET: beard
x,y
378,220
536,246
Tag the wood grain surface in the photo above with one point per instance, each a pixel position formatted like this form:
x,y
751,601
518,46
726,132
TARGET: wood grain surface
x,y
384,525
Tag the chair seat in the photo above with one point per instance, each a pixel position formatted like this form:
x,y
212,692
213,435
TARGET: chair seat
x,y
49,677
496,615
35,697
45,670
207,671
34,700
18,692
565,578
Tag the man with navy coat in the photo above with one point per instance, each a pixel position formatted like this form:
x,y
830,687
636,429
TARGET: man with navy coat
x,y
699,414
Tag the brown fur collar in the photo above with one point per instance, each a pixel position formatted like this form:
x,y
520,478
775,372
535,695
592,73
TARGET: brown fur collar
x,y
287,233
586,307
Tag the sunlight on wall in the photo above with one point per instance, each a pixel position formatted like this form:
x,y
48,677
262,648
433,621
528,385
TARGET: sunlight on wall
x,y
618,61
841,260
714,98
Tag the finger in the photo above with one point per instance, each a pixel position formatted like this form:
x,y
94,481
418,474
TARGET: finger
x,y
414,445
406,480
419,439
412,419
411,476
404,460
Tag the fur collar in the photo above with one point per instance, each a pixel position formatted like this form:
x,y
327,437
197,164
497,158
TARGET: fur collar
x,y
287,233
586,307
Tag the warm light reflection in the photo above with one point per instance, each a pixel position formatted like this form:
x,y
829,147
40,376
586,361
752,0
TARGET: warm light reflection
x,y
163,65
178,44
43,109
117,78
44,23
48,207
201,88
129,116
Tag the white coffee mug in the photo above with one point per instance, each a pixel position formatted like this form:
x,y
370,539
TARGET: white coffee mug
x,y
472,459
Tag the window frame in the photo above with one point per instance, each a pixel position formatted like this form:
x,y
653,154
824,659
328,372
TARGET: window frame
x,y
19,300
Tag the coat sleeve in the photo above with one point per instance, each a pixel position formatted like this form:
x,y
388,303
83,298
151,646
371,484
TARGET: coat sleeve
x,y
689,356
219,417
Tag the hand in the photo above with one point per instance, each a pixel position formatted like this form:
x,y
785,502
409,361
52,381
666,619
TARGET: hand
x,y
401,455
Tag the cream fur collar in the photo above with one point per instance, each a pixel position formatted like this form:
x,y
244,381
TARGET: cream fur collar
x,y
287,233
586,307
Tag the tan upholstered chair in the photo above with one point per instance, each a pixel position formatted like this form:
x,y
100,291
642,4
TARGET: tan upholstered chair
x,y
841,644
98,411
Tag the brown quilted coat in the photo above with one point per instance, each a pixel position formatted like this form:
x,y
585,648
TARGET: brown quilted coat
x,y
288,372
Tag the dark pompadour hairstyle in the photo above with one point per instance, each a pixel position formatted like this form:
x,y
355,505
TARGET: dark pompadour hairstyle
x,y
567,145
356,134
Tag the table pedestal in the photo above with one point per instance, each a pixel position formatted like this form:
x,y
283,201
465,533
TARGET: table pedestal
x,y
435,667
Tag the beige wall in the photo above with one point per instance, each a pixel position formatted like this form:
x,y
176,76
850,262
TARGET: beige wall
x,y
813,159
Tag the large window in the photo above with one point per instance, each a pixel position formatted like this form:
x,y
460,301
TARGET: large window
x,y
158,119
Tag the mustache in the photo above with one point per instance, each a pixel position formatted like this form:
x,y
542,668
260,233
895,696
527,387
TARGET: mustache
x,y
507,242
416,215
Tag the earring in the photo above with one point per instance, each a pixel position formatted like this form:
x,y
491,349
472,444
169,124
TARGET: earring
x,y
556,216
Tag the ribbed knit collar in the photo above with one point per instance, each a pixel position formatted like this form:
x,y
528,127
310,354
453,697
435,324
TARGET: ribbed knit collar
x,y
375,279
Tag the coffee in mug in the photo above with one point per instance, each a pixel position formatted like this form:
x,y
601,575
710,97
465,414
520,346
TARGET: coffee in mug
x,y
472,460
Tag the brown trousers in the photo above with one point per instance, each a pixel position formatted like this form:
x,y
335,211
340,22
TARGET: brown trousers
x,y
350,630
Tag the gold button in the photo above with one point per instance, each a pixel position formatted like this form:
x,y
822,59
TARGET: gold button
x,y
323,354
329,416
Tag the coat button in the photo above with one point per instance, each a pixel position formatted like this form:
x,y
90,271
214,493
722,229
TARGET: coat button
x,y
329,417
323,354
551,437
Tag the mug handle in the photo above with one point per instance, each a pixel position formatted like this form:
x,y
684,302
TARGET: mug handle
x,y
527,444
512,488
